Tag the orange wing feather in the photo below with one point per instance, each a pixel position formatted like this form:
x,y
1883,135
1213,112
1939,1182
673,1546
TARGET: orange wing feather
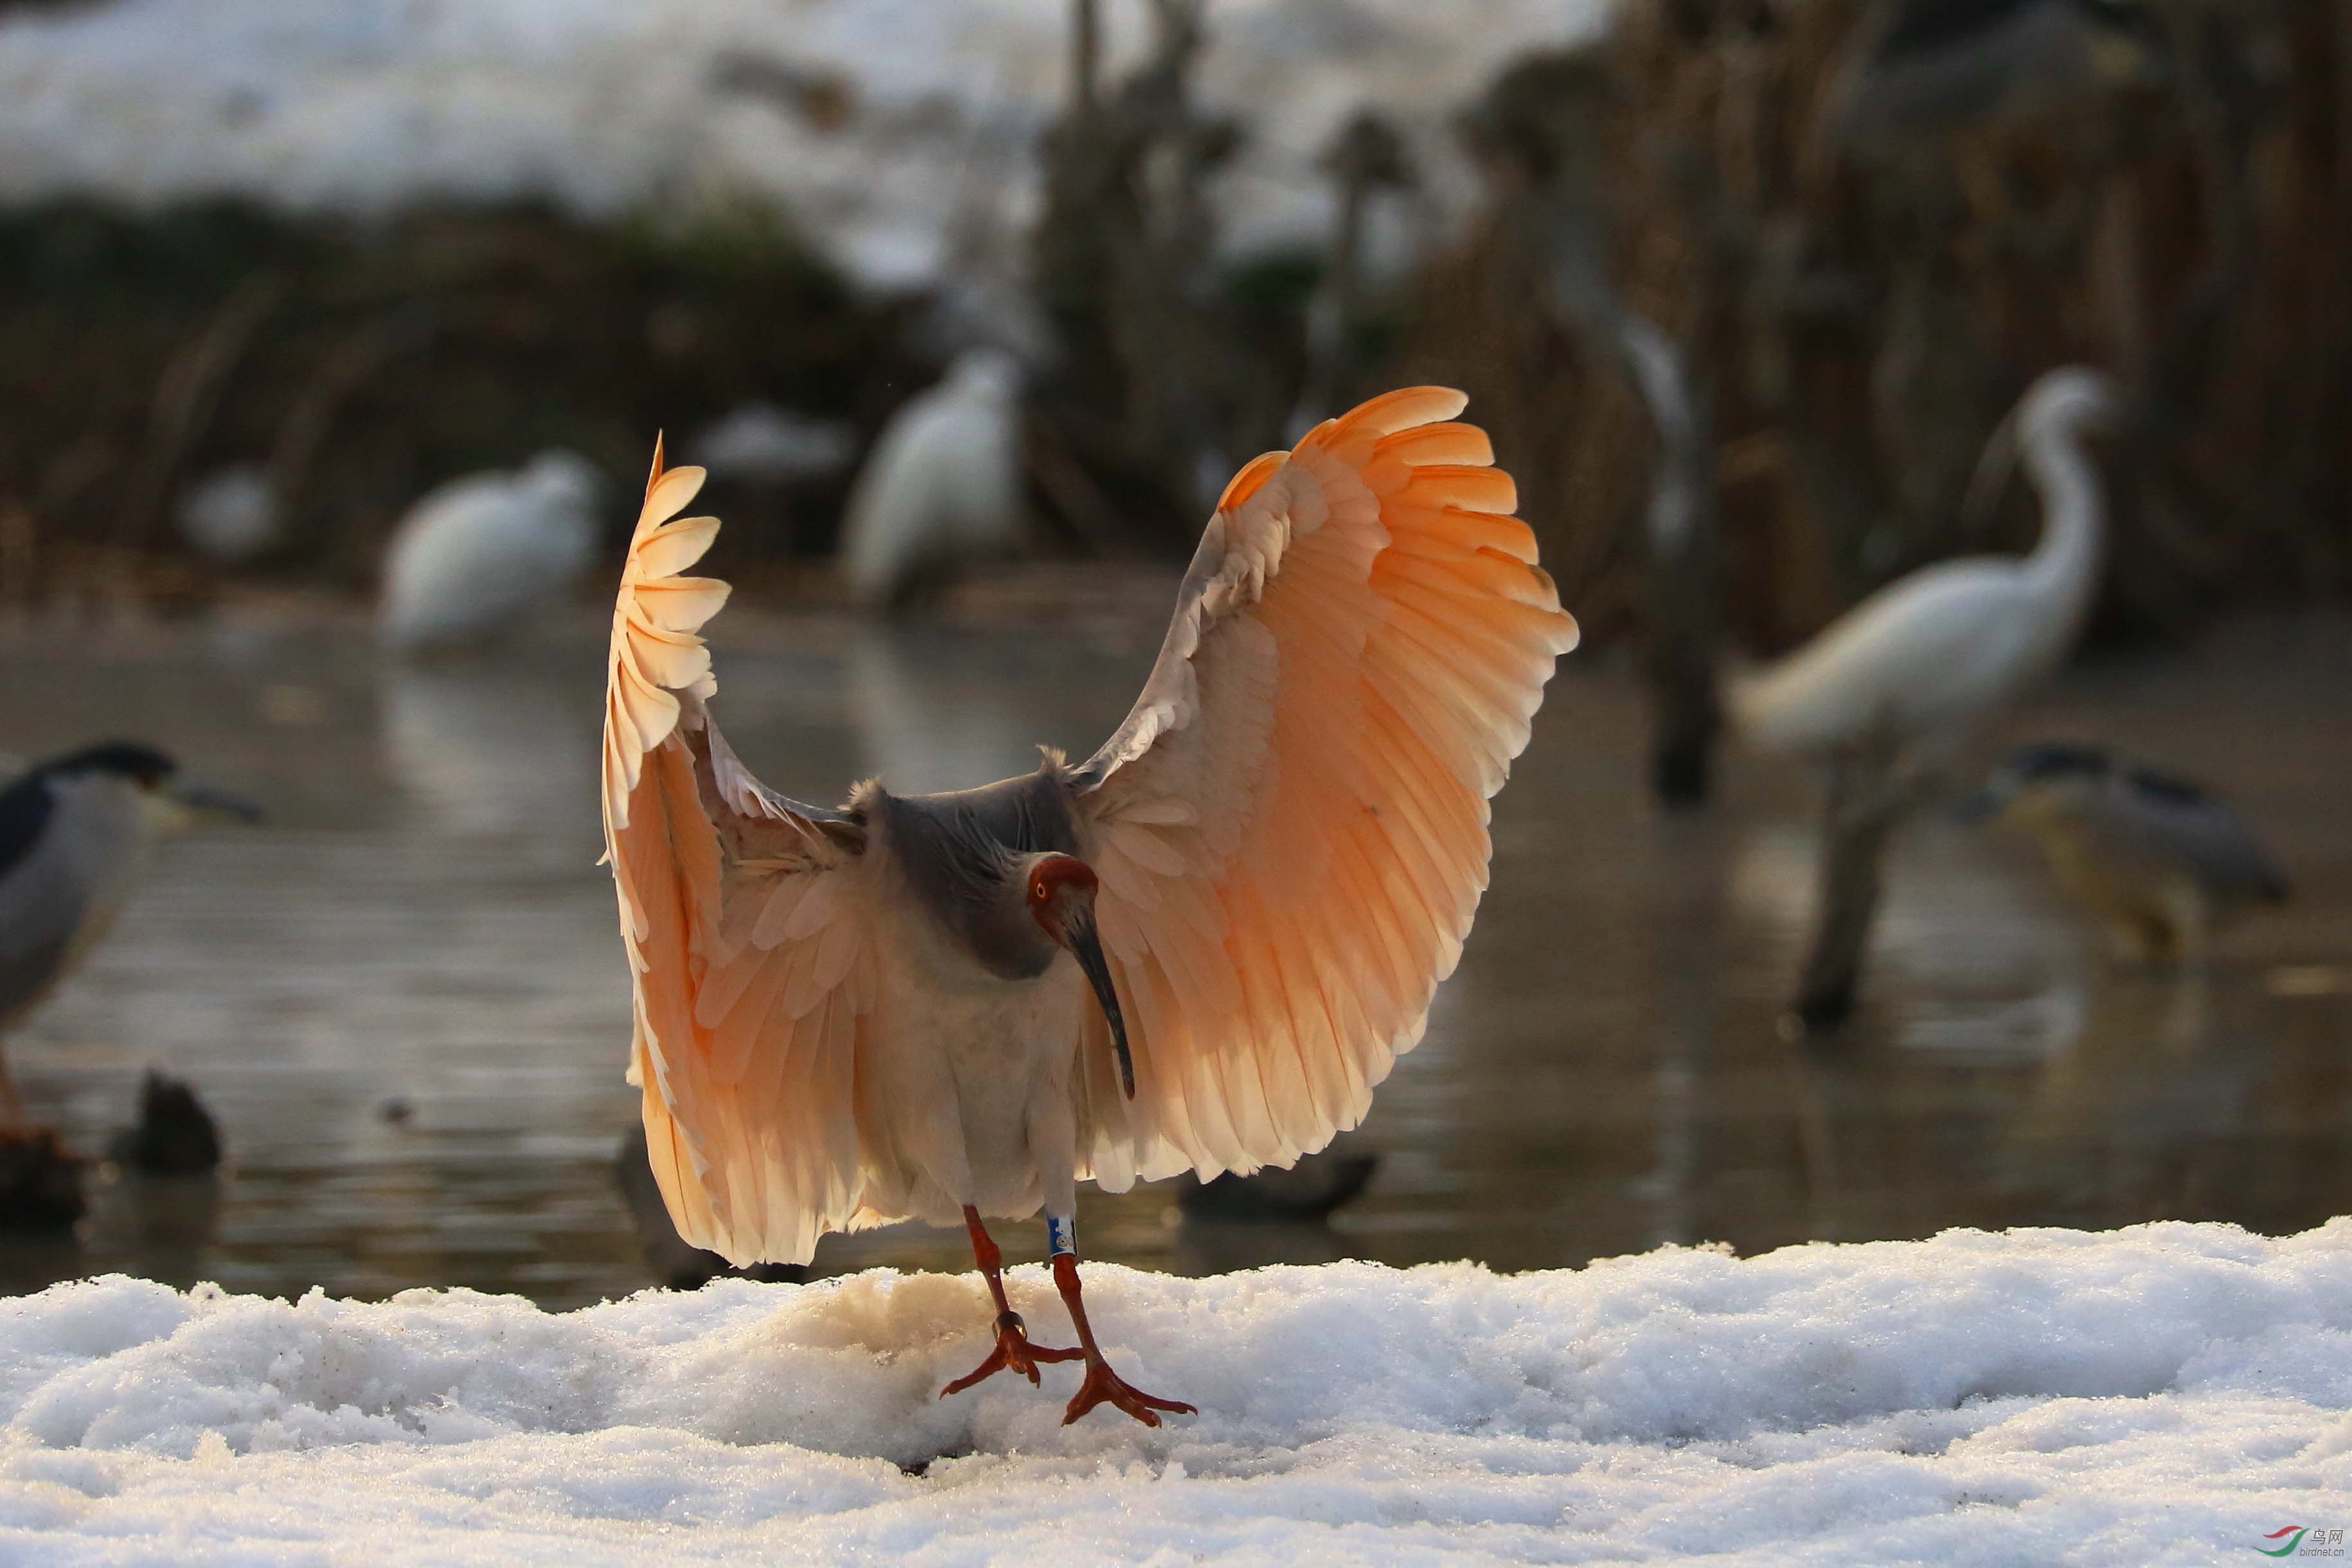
x,y
1291,826
744,923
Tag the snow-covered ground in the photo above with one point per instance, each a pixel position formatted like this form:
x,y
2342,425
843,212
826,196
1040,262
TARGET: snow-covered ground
x,y
888,125
2171,1394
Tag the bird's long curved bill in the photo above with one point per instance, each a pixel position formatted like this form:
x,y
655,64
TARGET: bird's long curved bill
x,y
1078,936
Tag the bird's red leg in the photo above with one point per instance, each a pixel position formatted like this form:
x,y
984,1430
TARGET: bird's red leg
x,y
1013,1346
1102,1383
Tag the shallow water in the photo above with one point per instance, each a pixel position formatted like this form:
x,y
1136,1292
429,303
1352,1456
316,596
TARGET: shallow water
x,y
403,996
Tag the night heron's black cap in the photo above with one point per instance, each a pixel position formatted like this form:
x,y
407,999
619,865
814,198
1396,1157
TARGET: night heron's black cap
x,y
2064,759
125,759
2041,762
25,803
2055,758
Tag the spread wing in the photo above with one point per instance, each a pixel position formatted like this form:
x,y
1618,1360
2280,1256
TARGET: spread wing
x,y
746,920
1290,827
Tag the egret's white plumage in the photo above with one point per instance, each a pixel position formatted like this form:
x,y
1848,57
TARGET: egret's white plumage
x,y
942,486
230,516
479,554
1923,657
1289,831
762,443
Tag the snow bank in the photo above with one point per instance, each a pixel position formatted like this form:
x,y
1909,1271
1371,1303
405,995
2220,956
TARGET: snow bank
x,y
883,122
2167,1393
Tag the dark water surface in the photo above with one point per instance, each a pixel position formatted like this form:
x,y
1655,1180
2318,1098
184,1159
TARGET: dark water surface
x,y
404,998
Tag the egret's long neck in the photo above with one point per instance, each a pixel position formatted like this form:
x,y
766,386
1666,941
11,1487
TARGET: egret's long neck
x,y
2066,561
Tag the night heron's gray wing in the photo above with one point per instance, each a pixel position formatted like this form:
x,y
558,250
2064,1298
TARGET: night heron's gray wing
x,y
45,897
2189,828
747,920
1290,827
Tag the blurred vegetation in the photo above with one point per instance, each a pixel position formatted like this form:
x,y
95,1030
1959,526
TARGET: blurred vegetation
x,y
360,365
1859,315
1851,315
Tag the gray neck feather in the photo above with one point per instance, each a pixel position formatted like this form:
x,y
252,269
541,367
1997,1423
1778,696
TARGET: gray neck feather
x,y
964,856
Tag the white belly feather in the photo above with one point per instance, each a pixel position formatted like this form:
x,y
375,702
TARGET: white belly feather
x,y
964,1088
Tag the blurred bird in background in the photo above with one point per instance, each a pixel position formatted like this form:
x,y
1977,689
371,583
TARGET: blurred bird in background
x,y
759,441
230,517
942,487
1891,690
474,558
77,833
1932,64
1201,949
1931,655
2156,861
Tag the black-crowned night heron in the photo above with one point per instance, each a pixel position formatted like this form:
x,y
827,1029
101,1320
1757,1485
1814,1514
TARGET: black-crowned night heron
x,y
1883,698
1929,66
1932,653
76,834
2154,859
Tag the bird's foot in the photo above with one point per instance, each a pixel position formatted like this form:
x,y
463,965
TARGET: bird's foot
x,y
1102,1383
1012,1350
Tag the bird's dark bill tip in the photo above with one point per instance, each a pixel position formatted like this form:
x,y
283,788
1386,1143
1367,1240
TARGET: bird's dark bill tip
x,y
1084,946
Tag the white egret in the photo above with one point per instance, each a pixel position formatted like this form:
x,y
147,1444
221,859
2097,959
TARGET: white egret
x,y
762,444
480,554
1931,654
942,487
1892,688
229,516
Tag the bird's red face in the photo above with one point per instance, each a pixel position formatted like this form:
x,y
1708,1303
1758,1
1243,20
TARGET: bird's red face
x,y
1061,896
1060,887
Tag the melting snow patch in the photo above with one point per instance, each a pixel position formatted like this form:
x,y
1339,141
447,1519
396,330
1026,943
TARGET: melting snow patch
x,y
2166,1394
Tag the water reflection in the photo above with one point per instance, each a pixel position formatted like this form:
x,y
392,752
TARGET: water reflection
x,y
481,748
422,928
930,719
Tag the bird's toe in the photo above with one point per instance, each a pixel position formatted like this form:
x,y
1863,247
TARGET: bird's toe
x,y
1013,1350
1105,1386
